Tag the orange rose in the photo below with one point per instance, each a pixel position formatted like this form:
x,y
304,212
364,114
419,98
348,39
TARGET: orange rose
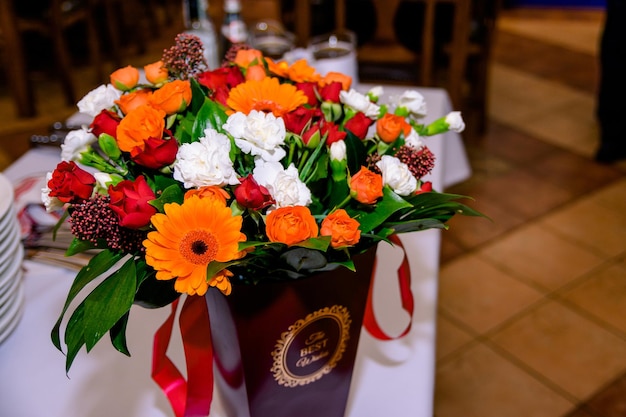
x,y
366,186
173,97
247,57
390,126
139,125
280,68
342,229
331,77
129,102
301,72
255,72
156,73
290,225
210,191
125,78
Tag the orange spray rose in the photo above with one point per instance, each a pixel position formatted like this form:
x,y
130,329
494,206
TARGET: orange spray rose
x,y
129,102
331,77
173,97
125,78
342,229
290,225
156,73
210,191
366,186
139,125
390,126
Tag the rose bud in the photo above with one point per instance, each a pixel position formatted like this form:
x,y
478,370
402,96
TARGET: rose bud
x,y
129,102
311,137
130,201
252,195
366,186
125,78
71,184
310,91
332,133
156,73
359,125
157,153
108,144
105,122
173,97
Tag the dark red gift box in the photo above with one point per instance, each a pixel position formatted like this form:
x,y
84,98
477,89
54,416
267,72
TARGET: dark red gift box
x,y
287,348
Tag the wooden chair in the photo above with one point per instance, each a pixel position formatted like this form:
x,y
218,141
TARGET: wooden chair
x,y
464,69
52,23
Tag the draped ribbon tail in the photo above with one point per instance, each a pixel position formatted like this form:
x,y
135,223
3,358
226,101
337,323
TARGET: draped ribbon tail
x,y
195,329
404,280
191,397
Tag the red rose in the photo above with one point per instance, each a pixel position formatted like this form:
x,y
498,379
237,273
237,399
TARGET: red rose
x,y
310,91
156,154
71,184
252,195
227,77
311,137
426,187
129,200
334,134
359,125
330,92
105,122
296,121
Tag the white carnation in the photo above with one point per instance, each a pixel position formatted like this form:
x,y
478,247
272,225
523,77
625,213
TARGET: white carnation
x,y
359,102
284,185
51,203
413,102
413,140
455,121
76,142
206,162
397,175
258,133
103,97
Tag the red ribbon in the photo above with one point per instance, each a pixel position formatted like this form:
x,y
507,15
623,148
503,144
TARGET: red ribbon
x,y
404,280
190,398
193,397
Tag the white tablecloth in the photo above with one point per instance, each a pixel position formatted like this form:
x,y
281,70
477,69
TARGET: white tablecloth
x,y
394,378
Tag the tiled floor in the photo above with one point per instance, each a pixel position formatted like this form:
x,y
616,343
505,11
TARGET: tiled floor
x,y
532,305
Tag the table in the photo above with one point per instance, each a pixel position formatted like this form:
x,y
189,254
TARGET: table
x,y
393,378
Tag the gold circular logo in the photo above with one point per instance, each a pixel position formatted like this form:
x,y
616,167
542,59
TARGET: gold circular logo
x,y
311,347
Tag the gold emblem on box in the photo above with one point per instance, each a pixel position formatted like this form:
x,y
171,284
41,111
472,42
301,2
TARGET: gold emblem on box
x,y
311,347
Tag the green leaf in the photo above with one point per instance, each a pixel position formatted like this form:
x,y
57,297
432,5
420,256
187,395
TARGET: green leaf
x,y
355,153
118,335
108,302
78,246
416,225
318,243
197,96
211,114
385,208
172,194
97,266
74,335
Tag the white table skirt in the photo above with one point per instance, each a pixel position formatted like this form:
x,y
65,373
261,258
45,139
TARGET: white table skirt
x,y
393,378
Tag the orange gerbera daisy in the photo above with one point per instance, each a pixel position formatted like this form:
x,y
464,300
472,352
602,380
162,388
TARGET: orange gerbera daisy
x,y
188,237
266,95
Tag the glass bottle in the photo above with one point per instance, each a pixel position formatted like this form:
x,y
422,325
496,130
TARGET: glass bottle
x,y
197,22
234,30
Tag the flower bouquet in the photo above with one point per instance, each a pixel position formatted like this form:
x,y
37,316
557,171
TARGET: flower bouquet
x,y
196,181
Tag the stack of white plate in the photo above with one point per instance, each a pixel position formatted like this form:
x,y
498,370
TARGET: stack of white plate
x,y
11,257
